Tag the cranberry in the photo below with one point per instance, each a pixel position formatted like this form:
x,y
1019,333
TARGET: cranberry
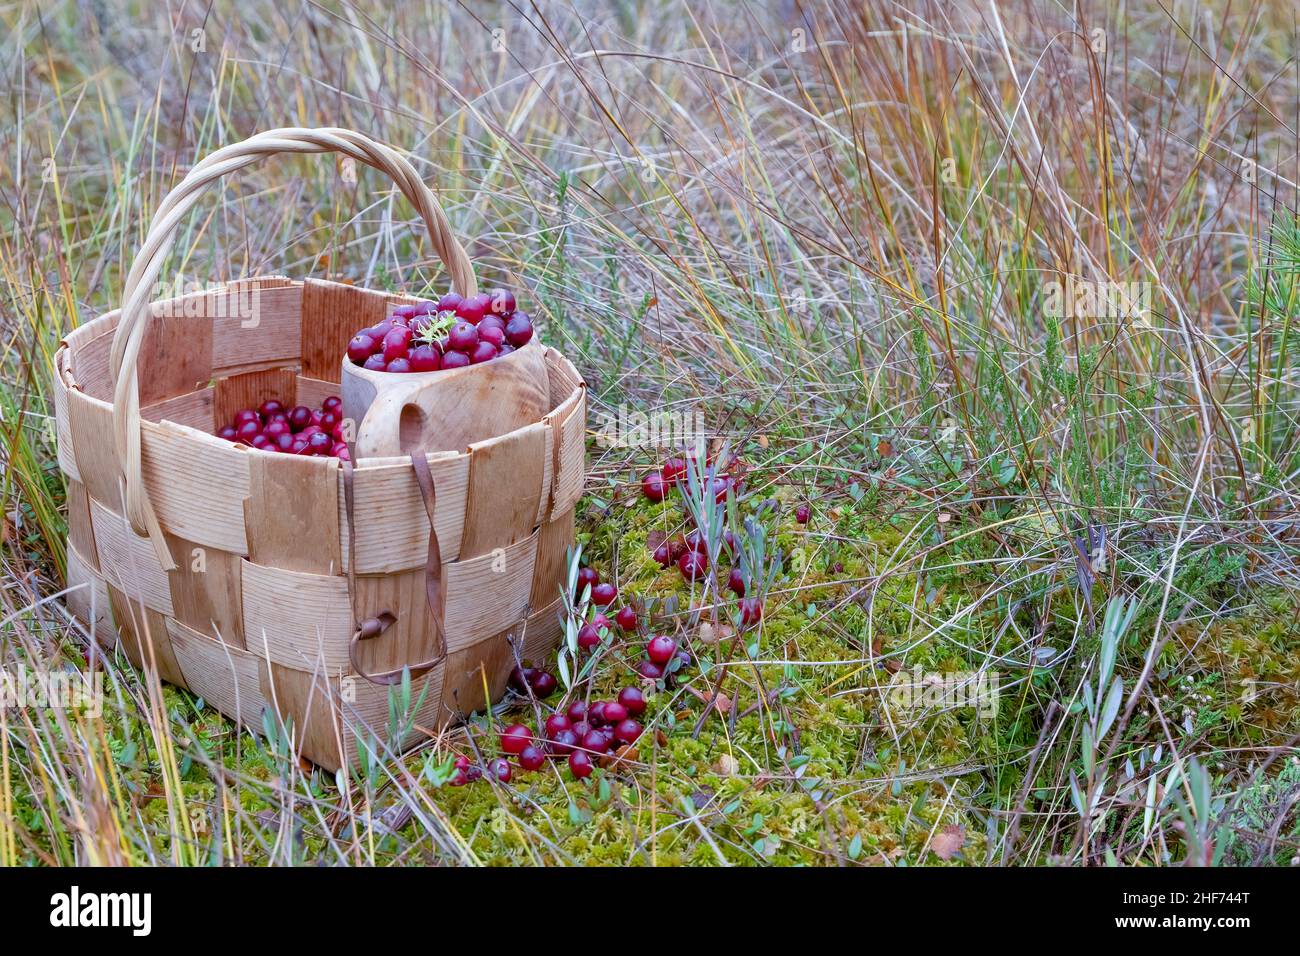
x,y
661,649
449,302
261,442
515,738
654,487
463,337
581,729
587,576
285,442
544,684
299,445
502,301
649,670
361,348
246,430
562,743
588,636
751,610
626,618
332,404
491,322
596,713
729,541
398,365
695,542
632,700
245,415
404,311
300,418
228,433
320,444
676,548
673,470
329,421
595,742
425,358
555,723
270,407
397,343
802,514
491,335
627,731
483,352
376,362
693,565
580,764
663,555
505,350
530,758
614,712
340,451
519,330
736,581
454,359
604,594
577,711
719,485
501,769
473,308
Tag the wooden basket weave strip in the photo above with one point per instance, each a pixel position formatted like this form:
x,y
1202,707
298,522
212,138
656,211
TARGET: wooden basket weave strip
x,y
256,581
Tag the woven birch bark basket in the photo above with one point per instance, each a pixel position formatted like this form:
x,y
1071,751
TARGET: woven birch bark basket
x,y
303,585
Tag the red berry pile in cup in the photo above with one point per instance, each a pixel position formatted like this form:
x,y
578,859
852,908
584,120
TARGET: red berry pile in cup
x,y
453,332
273,426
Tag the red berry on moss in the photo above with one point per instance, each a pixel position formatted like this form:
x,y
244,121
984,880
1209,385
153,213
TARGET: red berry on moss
x,y
562,743
587,576
661,649
663,555
555,723
580,764
604,594
649,670
673,470
802,514
693,565
501,769
515,738
654,487
614,712
577,711
595,742
530,758
736,581
632,699
626,618
751,610
544,684
627,731
588,636
596,713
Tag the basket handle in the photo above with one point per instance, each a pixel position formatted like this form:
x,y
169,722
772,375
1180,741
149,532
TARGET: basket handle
x,y
136,314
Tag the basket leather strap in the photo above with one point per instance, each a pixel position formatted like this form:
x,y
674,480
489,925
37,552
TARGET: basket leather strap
x,y
372,627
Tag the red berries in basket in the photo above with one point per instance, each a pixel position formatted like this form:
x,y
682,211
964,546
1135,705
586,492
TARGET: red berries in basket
x,y
294,431
453,332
